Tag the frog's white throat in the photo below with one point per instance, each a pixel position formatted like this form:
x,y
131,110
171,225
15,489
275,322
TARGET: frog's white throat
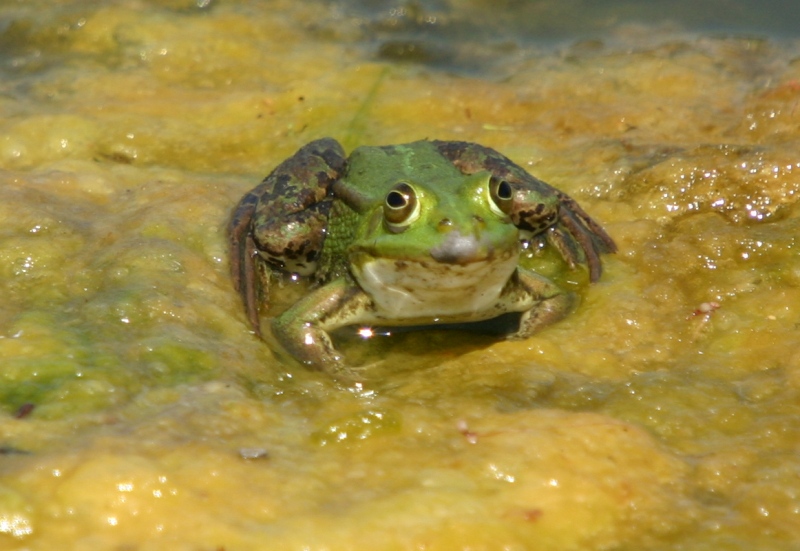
x,y
427,291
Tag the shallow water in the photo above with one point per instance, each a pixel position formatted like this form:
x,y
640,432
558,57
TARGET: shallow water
x,y
138,411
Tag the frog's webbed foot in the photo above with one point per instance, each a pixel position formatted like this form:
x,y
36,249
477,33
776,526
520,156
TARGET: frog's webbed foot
x,y
550,304
575,233
308,343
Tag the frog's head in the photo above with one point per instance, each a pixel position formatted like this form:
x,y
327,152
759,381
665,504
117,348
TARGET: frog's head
x,y
437,248
451,224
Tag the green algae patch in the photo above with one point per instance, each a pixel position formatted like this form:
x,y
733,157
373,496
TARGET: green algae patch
x,y
358,426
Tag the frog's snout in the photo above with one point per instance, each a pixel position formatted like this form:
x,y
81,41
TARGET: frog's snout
x,y
457,248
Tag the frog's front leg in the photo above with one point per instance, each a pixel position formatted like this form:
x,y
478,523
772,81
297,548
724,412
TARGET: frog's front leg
x,y
303,329
549,303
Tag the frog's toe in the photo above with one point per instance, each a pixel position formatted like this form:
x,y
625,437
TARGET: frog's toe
x,y
544,313
577,235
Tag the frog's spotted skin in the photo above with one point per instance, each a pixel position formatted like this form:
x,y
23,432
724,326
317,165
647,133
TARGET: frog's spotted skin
x,y
413,234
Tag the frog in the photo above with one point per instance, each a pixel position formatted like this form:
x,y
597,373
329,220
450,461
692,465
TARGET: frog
x,y
419,234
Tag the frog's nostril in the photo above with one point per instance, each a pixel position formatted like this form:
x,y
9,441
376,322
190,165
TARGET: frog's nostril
x,y
445,224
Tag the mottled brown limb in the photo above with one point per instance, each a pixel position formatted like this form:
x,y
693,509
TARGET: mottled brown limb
x,y
603,242
249,292
295,191
241,254
577,232
587,233
566,246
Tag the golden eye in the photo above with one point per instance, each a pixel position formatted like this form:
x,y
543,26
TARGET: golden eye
x,y
502,195
400,207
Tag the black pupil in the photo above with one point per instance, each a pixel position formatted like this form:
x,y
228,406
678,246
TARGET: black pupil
x,y
504,190
396,200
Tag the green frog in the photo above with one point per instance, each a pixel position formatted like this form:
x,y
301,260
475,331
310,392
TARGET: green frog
x,y
416,234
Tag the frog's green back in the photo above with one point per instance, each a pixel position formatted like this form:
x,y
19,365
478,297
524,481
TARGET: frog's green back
x,y
373,170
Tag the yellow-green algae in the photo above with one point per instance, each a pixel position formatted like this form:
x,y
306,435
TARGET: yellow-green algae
x,y
663,414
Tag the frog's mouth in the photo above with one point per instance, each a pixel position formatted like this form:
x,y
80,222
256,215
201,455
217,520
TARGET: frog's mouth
x,y
453,285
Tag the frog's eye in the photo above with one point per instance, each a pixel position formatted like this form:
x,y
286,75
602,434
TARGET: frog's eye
x,y
400,207
502,195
